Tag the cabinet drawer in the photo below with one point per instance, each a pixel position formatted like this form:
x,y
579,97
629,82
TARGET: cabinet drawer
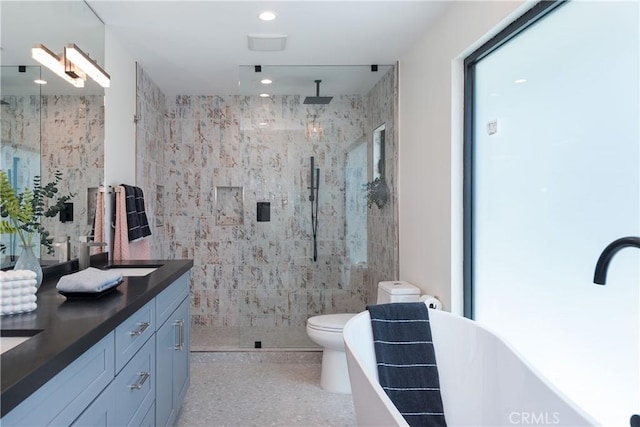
x,y
133,333
169,299
61,400
134,387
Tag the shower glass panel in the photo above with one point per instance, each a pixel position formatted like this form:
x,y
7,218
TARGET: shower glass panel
x,y
20,111
556,178
266,282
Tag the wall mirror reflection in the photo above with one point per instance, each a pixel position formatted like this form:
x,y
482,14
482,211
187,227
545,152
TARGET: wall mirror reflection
x,y
378,152
51,126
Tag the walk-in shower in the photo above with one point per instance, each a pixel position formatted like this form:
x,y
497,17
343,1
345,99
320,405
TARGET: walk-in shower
x,y
257,278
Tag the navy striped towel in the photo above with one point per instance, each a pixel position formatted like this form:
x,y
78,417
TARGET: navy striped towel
x,y
406,360
136,216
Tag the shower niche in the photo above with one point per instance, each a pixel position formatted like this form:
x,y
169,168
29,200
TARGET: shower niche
x,y
229,206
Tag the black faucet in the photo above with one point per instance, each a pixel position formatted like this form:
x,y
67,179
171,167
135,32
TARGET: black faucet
x,y
600,278
600,275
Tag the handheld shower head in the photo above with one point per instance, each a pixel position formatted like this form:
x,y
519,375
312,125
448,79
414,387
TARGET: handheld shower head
x,y
317,100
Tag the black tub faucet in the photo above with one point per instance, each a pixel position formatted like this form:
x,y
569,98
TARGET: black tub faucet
x,y
600,278
600,275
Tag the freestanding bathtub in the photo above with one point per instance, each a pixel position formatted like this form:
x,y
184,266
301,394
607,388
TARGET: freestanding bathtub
x,y
483,381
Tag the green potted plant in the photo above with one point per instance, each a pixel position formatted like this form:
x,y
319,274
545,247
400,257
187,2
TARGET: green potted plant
x,y
21,214
377,192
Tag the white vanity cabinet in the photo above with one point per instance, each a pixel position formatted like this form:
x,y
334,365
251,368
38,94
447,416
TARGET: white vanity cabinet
x,y
137,375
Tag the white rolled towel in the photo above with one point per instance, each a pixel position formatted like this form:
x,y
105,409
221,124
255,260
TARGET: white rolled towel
x,y
18,283
28,299
89,280
28,290
12,275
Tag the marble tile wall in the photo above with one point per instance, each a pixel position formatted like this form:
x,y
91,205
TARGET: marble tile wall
x,y
151,143
382,224
261,274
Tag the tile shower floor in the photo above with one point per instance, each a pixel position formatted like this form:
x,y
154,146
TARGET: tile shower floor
x,y
261,388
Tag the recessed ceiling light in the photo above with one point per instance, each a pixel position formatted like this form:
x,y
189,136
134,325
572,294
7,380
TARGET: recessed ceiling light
x,y
266,81
262,124
40,81
267,15
264,95
520,81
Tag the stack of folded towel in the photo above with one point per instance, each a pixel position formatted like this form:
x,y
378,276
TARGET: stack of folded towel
x,y
89,280
17,291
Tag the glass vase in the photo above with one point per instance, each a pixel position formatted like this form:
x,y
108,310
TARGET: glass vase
x,y
29,261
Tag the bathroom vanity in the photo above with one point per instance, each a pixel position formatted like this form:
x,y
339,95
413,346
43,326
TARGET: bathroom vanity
x,y
121,359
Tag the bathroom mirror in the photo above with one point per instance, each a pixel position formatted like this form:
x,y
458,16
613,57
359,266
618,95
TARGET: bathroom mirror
x,y
52,126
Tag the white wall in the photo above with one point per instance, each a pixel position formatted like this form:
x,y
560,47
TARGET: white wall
x,y
119,128
430,151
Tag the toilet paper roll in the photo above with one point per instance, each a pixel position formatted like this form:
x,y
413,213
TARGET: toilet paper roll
x,y
431,302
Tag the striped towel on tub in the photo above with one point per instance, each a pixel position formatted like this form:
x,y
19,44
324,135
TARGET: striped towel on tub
x,y
407,361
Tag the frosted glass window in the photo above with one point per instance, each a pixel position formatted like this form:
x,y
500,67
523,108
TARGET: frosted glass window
x,y
556,178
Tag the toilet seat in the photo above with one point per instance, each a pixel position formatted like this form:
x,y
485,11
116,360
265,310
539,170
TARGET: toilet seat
x,y
329,322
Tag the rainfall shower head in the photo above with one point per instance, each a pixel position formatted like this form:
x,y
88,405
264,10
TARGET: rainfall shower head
x,y
317,99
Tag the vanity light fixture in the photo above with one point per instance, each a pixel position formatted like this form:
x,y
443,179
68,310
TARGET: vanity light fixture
x,y
75,55
53,62
267,15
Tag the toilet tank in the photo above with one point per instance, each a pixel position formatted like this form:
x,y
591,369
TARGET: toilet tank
x,y
397,291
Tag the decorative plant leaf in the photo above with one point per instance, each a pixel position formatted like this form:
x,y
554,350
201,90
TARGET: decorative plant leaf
x,y
377,192
21,213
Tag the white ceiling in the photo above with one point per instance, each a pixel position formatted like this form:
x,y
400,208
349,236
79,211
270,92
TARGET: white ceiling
x,y
199,47
196,47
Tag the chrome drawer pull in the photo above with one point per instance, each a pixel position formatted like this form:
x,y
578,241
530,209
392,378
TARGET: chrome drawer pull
x,y
180,325
142,326
144,376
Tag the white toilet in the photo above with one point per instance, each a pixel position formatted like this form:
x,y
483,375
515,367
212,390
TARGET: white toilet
x,y
326,331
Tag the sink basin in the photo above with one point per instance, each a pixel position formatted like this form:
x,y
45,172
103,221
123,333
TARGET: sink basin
x,y
134,271
10,338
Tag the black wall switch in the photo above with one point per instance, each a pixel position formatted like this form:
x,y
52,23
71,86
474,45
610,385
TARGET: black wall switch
x,y
66,213
264,211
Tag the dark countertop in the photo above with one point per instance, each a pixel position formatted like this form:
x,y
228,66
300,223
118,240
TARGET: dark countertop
x,y
69,328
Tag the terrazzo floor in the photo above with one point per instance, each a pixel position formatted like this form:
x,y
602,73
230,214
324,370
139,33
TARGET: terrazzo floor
x,y
261,388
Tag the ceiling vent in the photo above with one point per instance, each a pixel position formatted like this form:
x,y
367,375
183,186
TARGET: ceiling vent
x,y
267,42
